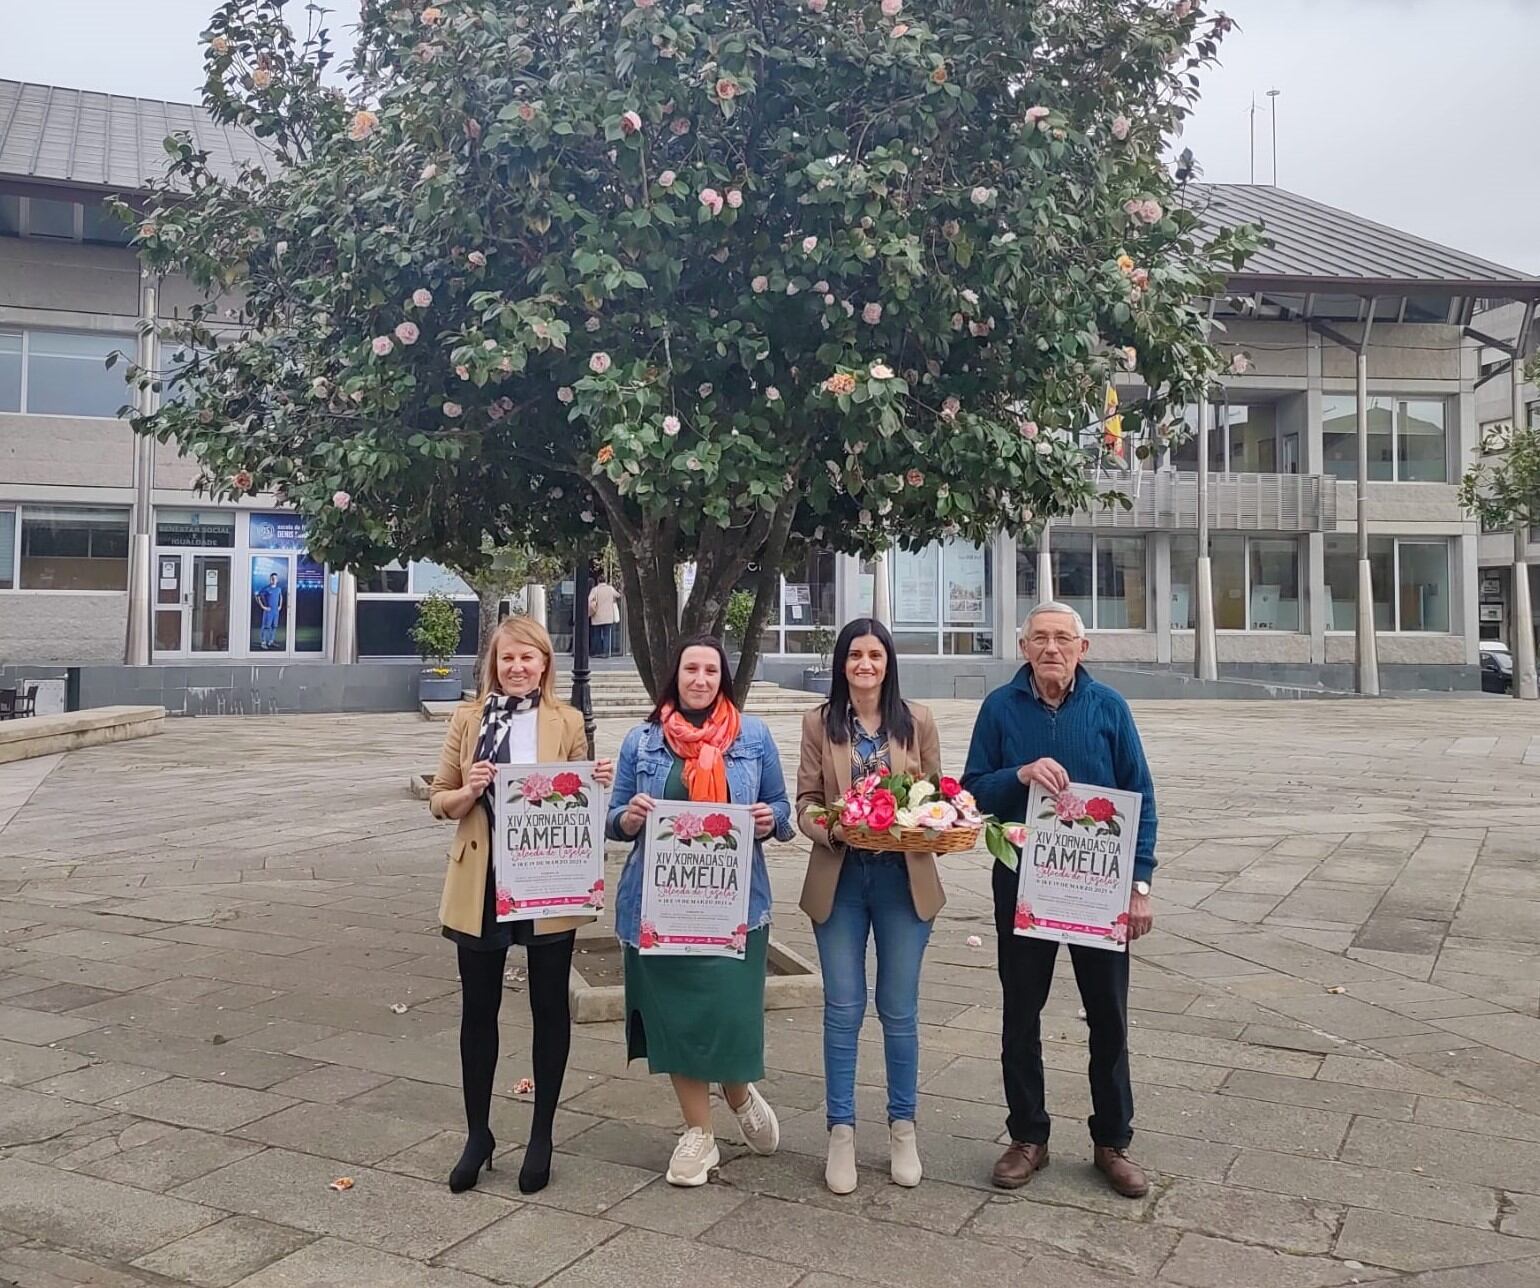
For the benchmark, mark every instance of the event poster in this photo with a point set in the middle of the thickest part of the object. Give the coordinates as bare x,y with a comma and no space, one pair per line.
1077,867
548,847
695,883
965,584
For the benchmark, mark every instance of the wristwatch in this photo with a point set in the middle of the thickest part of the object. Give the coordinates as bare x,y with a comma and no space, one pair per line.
1142,887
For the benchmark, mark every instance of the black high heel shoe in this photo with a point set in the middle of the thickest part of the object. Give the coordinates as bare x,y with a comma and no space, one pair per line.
535,1175
478,1154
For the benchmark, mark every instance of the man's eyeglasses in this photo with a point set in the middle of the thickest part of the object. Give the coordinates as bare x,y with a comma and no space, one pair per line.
1043,641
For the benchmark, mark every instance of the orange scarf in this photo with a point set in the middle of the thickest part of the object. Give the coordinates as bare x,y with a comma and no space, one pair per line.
703,750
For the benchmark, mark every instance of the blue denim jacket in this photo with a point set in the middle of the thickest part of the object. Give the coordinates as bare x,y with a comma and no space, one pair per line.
753,774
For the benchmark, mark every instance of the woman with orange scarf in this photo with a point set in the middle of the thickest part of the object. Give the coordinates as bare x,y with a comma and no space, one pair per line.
701,1020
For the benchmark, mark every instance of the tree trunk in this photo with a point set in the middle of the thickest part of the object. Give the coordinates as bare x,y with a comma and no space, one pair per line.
489,601
652,618
766,594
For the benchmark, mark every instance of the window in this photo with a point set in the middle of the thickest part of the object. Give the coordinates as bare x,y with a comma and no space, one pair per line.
49,218
7,549
101,225
389,580
807,602
10,371
67,374
1411,583
943,599
1407,438
1104,579
431,578
10,215
68,548
1256,582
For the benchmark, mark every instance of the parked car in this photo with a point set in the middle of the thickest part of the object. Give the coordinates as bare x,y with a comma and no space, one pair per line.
1496,667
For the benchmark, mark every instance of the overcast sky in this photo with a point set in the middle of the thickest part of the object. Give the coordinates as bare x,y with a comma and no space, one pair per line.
1416,113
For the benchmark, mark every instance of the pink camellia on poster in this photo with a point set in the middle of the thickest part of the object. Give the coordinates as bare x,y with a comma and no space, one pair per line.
698,860
548,845
1077,865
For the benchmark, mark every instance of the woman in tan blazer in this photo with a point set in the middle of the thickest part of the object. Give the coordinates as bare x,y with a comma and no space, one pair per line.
851,894
517,719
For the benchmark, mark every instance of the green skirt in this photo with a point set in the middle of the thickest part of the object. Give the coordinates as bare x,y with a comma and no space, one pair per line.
699,1017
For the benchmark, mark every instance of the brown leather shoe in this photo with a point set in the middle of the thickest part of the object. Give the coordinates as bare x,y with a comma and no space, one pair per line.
1122,1173
1017,1164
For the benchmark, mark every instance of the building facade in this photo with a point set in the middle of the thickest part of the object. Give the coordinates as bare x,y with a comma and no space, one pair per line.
234,583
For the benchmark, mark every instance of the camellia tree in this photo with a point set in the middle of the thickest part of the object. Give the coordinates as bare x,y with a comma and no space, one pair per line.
720,282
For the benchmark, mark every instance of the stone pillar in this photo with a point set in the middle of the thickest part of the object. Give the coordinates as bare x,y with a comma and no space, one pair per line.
882,595
534,599
345,619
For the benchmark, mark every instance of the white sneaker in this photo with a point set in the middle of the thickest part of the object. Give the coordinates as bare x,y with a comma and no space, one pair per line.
757,1121
839,1173
694,1157
906,1155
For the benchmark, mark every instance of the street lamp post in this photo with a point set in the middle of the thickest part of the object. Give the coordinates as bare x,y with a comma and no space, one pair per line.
1273,94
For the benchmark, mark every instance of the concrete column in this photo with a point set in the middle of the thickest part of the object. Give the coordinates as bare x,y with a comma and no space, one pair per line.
1007,616
1368,645
882,594
1205,643
534,597
1045,586
847,588
345,619
1524,680
1160,556
141,549
1315,582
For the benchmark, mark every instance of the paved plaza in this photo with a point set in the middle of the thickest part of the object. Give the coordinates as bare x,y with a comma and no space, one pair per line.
207,940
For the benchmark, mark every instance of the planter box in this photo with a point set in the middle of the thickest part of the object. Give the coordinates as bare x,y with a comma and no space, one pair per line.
435,688
816,681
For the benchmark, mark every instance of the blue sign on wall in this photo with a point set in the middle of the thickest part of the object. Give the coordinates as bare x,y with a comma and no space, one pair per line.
276,532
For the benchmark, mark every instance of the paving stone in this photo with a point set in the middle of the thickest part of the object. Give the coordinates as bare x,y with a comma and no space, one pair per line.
330,1084
668,1209
327,1263
395,1213
529,1245
1455,1155
179,1156
1521,1215
61,997
1318,1095
1236,1121
218,1255
27,1116
1504,1274
34,1265
337,1131
189,1058
93,1083
1462,1115
1252,1216
1405,1243
191,1103
75,1211
21,1064
1201,1261
1109,1244
39,1028
643,1259
1407,1193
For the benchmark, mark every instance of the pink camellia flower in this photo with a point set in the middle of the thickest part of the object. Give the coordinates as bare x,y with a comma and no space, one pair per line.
341,500
452,409
1141,278
382,345
220,44
872,314
363,126
1240,364
950,408
431,15
422,297
680,125
666,179
1029,429
817,6
1150,210
892,8
476,259
864,518
1023,913
734,198
900,30
564,394
645,4
630,123
407,332
1131,206
1037,113
261,78
599,363
687,826
979,196
1068,807
1120,127
727,88
429,171
792,288
1016,834
241,480
809,245
1181,8
712,200
978,329
759,284
671,425
593,324
1130,356
881,371
504,901
537,787
526,112
463,372
1118,934
914,478
772,393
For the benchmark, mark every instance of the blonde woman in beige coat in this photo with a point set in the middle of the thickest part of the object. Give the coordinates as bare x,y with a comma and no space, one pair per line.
516,719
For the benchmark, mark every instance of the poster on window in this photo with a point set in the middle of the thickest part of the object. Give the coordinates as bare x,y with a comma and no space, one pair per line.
914,587
548,841
1076,872
964,585
695,880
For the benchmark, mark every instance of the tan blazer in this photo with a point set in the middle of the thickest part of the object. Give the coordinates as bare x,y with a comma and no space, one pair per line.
823,776
560,736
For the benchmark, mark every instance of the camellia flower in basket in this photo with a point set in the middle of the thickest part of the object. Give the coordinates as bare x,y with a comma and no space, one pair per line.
908,813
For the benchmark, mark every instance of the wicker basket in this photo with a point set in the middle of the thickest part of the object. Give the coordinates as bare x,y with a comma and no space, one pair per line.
915,840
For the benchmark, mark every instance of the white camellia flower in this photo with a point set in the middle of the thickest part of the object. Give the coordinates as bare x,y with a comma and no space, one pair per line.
906,818
921,792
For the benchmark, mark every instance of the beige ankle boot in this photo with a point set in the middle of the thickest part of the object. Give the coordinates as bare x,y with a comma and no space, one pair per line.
906,1154
840,1171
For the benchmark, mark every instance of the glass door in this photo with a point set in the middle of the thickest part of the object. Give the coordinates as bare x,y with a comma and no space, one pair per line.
272,582
210,587
170,608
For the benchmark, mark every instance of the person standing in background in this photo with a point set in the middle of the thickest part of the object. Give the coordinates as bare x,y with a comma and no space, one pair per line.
603,617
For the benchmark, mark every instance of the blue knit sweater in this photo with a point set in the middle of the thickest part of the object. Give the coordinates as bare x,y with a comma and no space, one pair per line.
1092,735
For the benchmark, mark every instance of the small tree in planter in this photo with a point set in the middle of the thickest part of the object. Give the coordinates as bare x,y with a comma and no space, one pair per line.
437,636
818,680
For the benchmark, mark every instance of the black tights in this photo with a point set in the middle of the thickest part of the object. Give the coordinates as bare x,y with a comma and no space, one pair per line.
481,983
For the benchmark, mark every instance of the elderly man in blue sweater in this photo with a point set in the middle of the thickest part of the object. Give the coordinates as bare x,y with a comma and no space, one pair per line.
1053,725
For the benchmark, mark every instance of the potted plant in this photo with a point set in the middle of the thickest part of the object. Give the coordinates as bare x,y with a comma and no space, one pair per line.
818,679
437,637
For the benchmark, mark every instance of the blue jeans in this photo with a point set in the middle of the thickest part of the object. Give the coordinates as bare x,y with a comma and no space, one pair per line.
872,897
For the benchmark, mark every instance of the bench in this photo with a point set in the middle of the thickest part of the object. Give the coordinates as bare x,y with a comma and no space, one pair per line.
72,730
